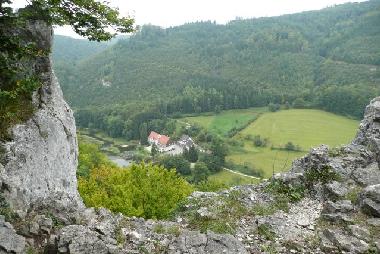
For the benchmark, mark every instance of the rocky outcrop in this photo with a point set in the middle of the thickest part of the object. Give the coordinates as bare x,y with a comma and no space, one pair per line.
38,166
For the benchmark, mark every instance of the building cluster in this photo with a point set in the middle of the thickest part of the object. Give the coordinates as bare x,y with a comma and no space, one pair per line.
165,145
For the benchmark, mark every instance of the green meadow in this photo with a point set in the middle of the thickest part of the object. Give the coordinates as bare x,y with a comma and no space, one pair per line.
305,128
226,120
231,179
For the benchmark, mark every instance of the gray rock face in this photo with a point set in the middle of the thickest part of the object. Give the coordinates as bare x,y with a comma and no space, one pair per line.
369,131
39,164
370,200
345,242
10,242
194,242
367,176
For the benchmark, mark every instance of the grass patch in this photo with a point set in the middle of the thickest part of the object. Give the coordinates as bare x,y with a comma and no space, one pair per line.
6,210
305,127
353,194
280,203
225,121
225,213
230,179
265,231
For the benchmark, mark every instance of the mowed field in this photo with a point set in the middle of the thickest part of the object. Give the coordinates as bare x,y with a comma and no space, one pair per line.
305,128
226,120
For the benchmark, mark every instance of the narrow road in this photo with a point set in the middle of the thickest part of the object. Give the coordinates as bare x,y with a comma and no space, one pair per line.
238,173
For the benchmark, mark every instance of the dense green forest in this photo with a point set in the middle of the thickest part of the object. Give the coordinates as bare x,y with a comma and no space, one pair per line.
327,59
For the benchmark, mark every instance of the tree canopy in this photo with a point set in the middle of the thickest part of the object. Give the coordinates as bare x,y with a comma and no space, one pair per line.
89,18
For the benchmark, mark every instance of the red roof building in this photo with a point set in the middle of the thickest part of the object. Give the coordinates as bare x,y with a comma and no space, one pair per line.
158,139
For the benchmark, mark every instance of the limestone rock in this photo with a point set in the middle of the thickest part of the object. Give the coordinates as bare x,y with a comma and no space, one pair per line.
369,175
370,200
193,242
369,130
360,232
10,241
345,242
336,189
39,163
79,239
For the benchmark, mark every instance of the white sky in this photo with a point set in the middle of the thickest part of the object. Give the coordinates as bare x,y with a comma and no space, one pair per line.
168,13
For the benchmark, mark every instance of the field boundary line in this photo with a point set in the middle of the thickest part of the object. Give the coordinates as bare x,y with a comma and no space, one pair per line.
239,173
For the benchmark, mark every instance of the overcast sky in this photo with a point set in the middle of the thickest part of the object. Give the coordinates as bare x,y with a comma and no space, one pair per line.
168,13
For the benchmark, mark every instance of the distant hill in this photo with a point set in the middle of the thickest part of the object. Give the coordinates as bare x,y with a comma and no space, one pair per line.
327,59
68,49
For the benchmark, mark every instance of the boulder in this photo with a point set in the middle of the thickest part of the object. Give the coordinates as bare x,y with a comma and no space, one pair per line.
369,175
195,242
10,241
79,239
347,243
360,232
369,129
370,200
336,189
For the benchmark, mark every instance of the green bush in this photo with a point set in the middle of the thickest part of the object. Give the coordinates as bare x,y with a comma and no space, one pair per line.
141,190
325,174
280,189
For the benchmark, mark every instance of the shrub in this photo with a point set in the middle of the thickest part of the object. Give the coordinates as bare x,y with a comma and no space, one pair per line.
177,162
200,172
273,107
260,142
325,174
282,190
141,190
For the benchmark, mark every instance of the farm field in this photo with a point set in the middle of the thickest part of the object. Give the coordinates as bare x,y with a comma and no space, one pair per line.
305,128
231,179
223,122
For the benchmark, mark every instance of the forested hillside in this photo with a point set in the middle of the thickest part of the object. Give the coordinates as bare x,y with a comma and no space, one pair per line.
328,59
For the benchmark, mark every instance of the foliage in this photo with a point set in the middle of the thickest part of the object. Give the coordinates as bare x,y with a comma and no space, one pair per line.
273,107
177,162
323,174
141,190
154,150
280,189
90,157
191,154
6,210
213,163
200,173
260,142
292,147
91,19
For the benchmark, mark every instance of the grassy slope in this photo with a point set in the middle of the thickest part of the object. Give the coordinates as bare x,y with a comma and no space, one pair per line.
223,122
306,128
231,179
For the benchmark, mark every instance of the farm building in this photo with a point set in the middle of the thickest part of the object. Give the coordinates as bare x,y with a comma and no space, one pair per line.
161,141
